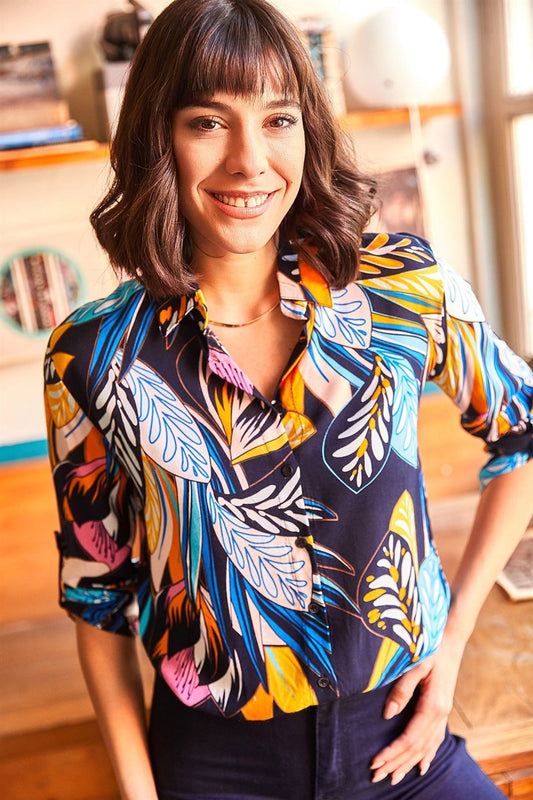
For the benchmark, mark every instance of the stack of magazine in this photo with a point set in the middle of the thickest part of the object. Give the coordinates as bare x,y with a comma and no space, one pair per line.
517,576
32,111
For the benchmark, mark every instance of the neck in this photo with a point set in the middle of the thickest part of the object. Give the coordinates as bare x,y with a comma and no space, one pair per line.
244,282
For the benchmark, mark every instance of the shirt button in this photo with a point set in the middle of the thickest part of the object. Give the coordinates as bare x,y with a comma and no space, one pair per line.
323,682
287,470
314,608
300,541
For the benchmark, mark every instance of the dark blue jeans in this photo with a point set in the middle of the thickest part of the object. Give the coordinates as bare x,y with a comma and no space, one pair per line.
318,754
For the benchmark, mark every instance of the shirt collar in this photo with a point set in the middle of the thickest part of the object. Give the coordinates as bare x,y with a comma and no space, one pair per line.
299,284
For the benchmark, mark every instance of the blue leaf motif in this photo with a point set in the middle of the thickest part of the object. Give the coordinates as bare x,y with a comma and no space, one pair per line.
404,439
435,598
110,304
500,466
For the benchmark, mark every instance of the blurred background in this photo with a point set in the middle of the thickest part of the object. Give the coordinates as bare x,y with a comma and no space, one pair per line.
437,96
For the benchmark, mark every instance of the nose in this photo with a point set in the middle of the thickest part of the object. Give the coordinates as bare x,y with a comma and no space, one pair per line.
247,153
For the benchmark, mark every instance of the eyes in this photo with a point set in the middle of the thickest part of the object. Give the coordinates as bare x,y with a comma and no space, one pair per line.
208,123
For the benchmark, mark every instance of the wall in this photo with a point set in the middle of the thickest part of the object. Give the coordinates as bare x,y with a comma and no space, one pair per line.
52,203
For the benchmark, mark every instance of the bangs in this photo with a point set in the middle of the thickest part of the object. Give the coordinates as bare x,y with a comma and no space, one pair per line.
239,57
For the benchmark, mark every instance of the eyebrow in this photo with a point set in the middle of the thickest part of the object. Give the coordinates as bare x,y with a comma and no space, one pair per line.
215,105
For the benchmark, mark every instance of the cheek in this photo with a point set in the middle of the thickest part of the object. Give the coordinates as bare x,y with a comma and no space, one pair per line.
196,168
298,160
297,169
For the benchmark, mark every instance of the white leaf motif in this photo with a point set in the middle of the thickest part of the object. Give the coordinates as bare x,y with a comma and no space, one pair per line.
271,563
169,435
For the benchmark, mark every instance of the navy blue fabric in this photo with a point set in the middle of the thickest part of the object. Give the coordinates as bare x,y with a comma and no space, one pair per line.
321,753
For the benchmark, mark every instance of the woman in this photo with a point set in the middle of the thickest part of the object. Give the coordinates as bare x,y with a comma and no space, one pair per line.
233,441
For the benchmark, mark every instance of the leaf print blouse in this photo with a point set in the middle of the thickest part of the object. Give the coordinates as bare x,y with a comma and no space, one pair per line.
271,554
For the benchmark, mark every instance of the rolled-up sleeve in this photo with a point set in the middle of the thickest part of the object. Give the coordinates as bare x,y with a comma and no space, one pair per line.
97,519
490,384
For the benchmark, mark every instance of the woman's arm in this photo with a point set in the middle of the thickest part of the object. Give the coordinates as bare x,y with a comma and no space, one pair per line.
111,669
504,510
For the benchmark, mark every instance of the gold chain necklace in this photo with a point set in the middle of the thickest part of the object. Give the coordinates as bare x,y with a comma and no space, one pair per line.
244,324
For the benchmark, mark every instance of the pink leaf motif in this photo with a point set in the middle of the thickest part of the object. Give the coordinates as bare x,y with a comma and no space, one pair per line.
181,674
99,544
224,366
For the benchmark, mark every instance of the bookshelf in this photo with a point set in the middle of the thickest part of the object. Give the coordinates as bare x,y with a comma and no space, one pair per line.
388,117
82,151
52,154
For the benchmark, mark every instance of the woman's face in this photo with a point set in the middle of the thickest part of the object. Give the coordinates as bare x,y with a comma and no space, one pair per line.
240,163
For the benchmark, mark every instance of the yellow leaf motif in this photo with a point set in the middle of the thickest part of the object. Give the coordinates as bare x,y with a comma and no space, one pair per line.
287,682
259,707
390,600
402,522
63,407
299,428
152,513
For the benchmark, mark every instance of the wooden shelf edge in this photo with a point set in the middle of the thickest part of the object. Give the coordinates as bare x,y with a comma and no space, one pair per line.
88,149
387,117
52,154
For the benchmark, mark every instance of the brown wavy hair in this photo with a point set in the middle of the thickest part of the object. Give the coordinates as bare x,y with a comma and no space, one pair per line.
194,49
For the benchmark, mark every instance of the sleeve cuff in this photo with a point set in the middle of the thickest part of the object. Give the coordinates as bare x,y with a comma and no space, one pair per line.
111,610
500,465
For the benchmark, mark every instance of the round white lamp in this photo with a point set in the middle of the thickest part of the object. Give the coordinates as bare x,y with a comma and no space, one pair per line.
397,57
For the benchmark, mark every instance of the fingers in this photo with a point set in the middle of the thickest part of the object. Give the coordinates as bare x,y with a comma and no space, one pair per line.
406,752
417,745
403,690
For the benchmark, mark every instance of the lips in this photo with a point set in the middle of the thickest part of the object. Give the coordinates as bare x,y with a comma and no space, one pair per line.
241,201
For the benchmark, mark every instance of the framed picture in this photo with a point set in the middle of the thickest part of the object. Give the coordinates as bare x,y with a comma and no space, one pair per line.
400,202
38,289
41,284
324,51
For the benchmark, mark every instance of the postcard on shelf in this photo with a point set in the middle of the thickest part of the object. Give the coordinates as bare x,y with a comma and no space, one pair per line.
29,93
516,577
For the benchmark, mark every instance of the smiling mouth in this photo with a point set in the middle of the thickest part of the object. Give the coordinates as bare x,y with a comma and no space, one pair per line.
242,202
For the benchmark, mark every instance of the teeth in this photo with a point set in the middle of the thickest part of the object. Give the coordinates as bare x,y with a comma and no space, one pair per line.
240,202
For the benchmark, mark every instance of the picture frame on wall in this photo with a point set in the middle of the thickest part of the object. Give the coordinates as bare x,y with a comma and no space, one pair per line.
41,284
400,202
320,41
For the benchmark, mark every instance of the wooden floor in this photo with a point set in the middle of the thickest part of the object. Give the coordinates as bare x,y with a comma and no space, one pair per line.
50,748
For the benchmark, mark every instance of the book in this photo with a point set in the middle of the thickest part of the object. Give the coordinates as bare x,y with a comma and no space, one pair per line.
31,137
29,92
516,578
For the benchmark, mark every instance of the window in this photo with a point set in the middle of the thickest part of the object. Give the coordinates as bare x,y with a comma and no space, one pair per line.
507,52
